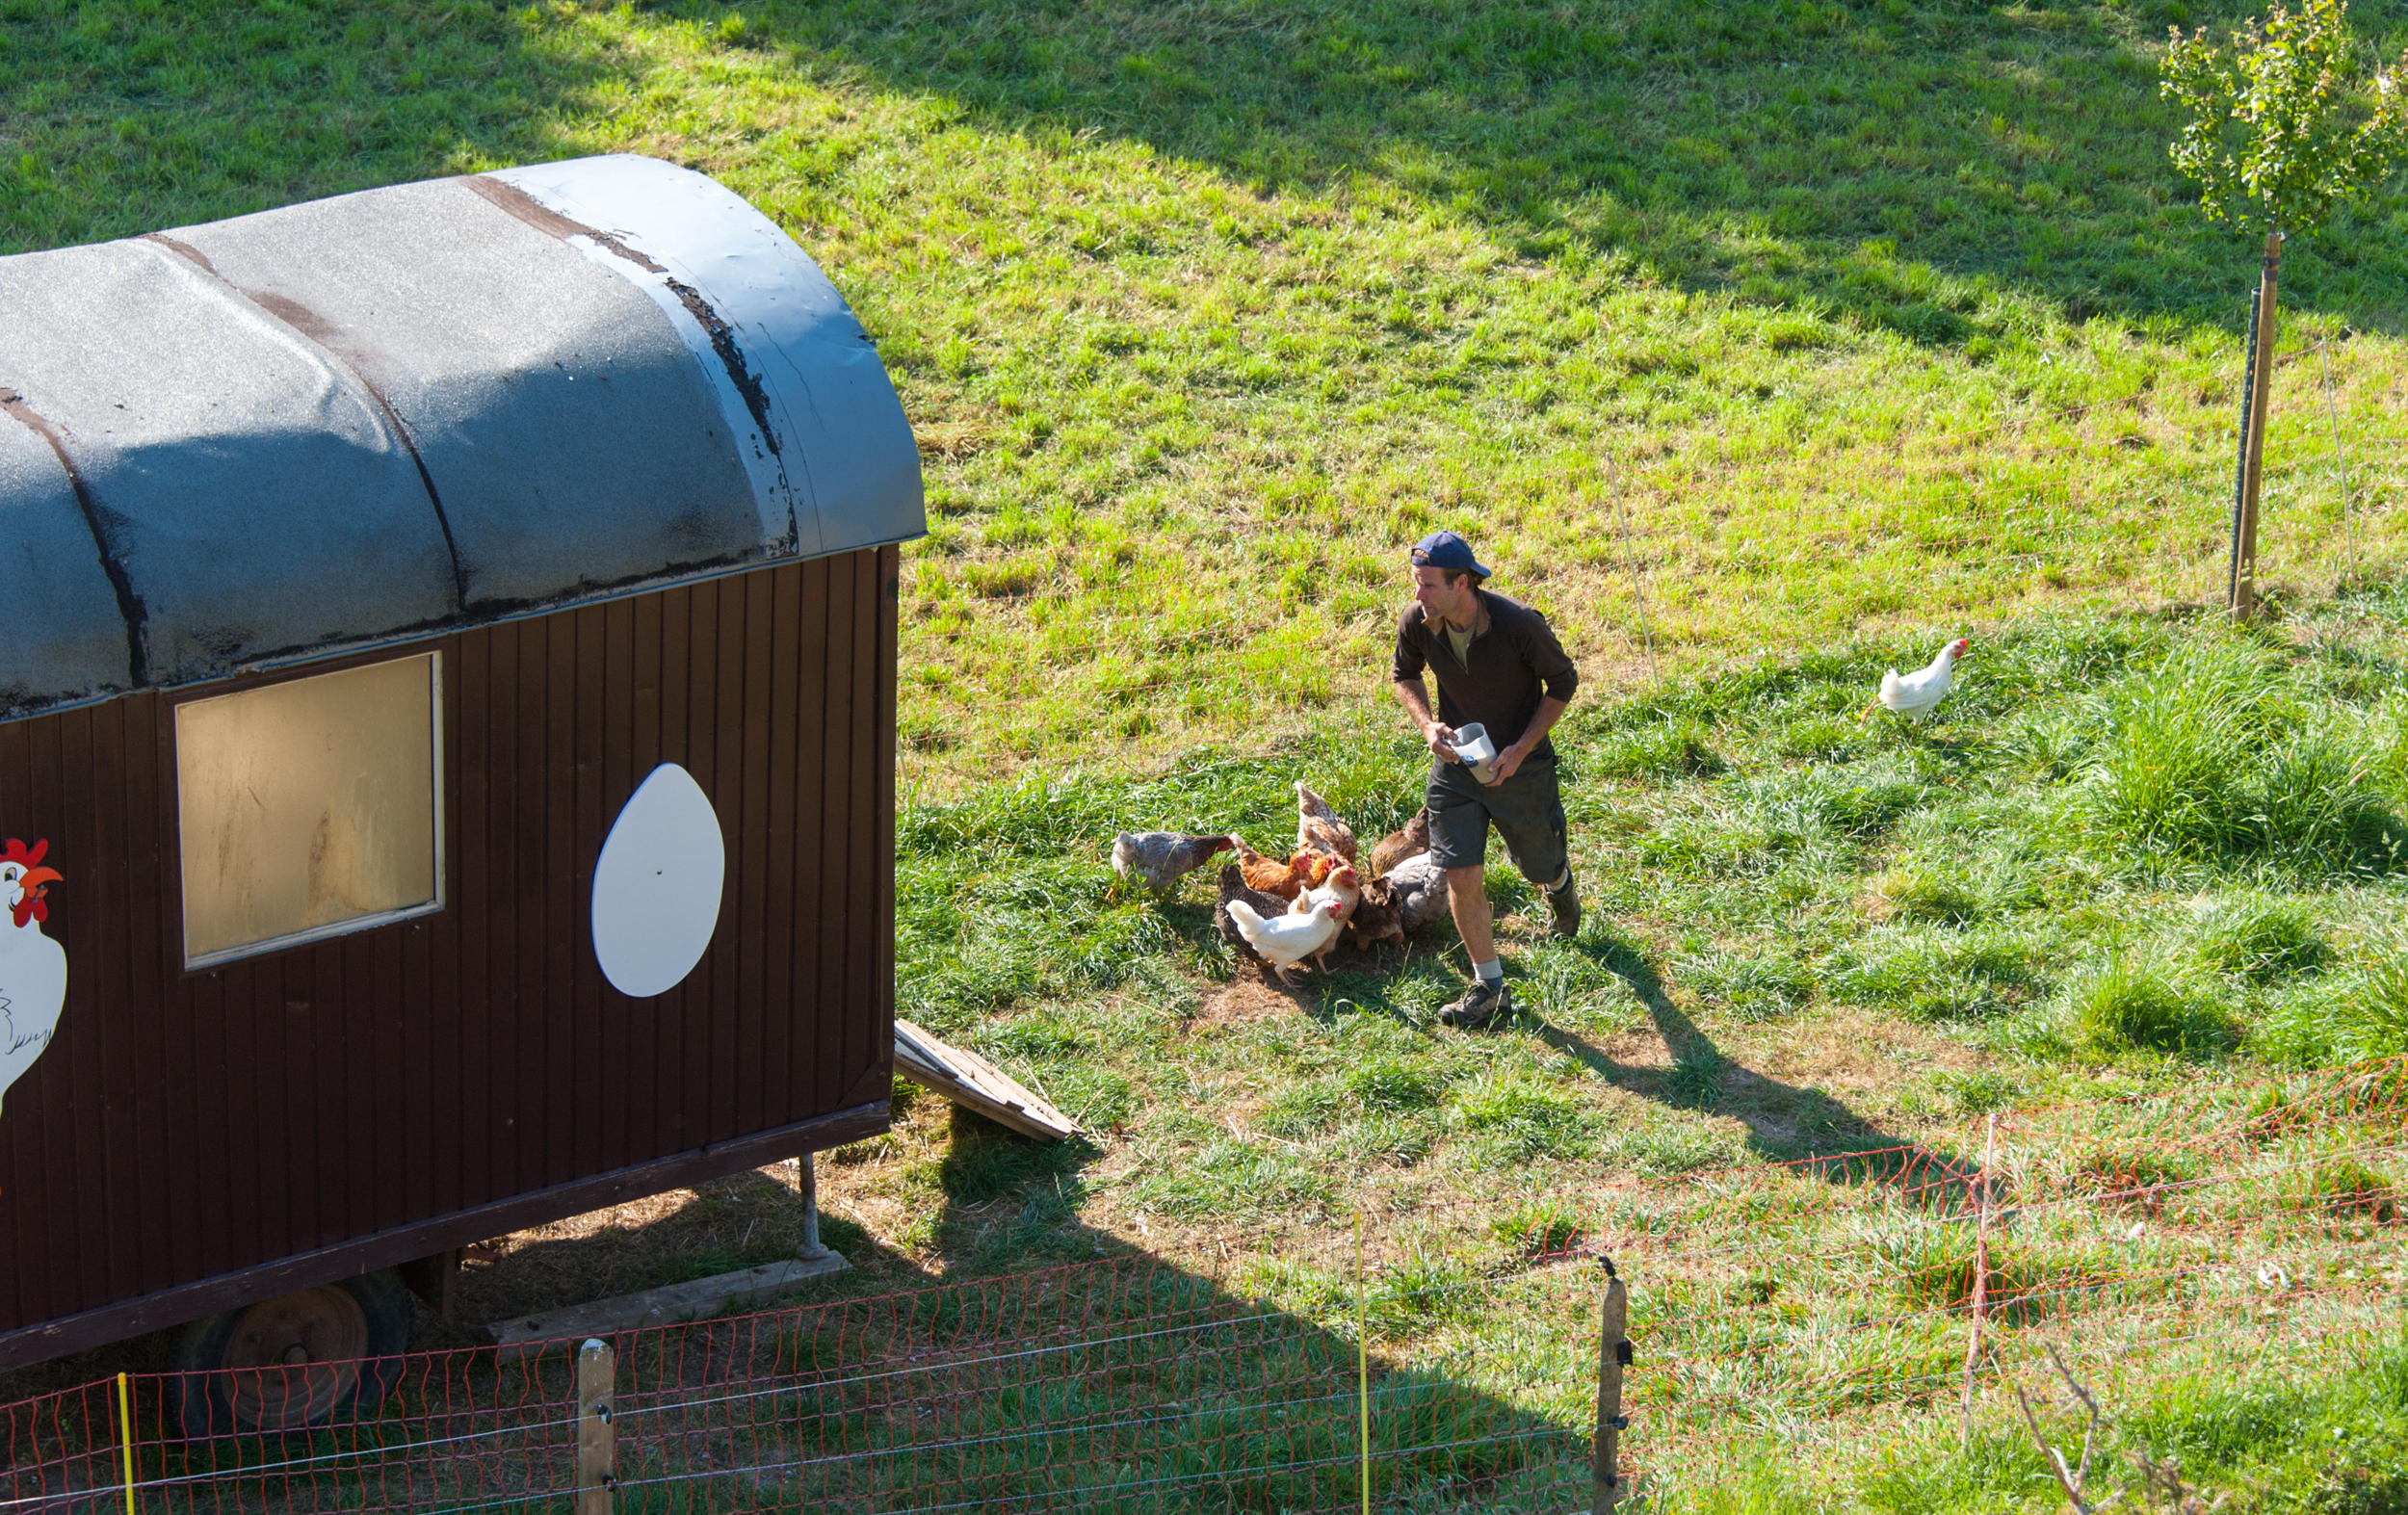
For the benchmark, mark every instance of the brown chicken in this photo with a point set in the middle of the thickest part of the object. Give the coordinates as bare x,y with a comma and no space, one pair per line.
1281,876
1396,904
1233,887
1317,826
1409,840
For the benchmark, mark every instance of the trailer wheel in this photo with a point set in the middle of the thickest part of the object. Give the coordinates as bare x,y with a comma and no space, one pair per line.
321,1356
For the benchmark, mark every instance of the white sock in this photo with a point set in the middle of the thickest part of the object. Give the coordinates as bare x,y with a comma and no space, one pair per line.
1490,971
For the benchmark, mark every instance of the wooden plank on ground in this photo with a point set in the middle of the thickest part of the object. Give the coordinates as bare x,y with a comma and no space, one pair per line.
531,1335
974,1083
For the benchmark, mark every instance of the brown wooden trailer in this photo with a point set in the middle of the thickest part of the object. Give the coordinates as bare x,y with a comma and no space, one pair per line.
341,690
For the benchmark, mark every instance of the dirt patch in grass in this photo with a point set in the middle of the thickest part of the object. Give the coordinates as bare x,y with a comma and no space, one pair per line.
1246,997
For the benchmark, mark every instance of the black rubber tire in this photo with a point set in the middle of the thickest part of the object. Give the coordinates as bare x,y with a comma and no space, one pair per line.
206,1398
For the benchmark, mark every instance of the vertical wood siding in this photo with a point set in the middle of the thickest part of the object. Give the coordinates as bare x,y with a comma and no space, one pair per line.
184,1126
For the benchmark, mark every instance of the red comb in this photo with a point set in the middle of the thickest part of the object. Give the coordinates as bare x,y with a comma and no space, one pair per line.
15,853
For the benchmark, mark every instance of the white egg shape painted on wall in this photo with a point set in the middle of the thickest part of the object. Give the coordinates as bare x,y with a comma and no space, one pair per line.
657,885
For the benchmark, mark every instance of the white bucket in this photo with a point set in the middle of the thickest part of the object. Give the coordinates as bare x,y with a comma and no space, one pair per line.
1473,749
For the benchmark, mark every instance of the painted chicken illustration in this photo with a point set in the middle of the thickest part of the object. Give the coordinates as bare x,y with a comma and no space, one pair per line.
33,968
1916,694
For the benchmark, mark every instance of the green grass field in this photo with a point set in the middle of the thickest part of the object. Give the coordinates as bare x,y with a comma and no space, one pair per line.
1774,320
1761,344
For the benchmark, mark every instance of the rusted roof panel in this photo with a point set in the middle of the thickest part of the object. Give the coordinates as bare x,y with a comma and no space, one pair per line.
321,427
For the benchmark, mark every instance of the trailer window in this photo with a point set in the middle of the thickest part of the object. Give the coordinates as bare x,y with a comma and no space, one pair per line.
309,807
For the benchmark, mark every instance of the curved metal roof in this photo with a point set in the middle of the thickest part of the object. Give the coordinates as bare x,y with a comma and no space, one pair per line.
382,415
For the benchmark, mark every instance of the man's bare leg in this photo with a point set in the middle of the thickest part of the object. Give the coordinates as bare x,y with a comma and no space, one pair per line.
1467,896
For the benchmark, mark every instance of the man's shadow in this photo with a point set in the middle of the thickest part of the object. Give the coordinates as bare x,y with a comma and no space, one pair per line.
1807,1130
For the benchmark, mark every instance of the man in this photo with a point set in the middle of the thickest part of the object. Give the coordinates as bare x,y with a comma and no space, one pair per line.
1498,664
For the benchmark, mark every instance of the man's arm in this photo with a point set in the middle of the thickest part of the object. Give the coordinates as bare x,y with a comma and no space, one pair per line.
1547,660
1414,696
1404,675
1550,711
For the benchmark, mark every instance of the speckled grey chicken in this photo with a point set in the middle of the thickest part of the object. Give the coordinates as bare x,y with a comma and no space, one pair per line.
1159,859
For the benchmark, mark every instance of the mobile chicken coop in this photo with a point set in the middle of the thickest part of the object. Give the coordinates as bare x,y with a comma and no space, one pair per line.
447,701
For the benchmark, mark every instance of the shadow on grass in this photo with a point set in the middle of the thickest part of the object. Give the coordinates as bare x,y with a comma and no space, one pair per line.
1807,1128
1903,166
1927,169
1101,1377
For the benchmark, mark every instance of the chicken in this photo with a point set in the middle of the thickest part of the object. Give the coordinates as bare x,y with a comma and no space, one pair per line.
1285,940
1317,827
1273,875
1374,919
1409,840
1159,859
1234,891
33,968
1344,886
1401,901
1916,694
1314,868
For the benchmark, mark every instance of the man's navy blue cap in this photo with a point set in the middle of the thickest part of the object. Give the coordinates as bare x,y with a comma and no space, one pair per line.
1445,550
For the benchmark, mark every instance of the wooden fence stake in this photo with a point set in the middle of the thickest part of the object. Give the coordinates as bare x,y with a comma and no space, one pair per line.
598,1374
1982,1277
1613,1354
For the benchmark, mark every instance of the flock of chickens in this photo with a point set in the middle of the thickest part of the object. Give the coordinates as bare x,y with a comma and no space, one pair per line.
1288,913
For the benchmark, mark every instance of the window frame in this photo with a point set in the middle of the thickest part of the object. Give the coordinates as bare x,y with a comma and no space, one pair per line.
435,753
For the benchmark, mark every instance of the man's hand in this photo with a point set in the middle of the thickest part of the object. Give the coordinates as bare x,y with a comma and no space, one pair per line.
1509,760
1441,737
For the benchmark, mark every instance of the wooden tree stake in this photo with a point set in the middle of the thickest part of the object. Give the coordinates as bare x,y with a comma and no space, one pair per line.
2244,590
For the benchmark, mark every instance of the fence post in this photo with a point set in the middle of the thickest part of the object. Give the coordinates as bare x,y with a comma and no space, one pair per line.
1363,1359
125,1438
598,1374
1982,1277
1613,1354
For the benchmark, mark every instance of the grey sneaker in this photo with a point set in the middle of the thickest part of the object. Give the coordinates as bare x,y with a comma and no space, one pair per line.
1481,1004
1565,905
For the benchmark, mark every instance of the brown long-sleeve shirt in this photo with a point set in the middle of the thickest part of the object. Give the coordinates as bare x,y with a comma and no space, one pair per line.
1513,664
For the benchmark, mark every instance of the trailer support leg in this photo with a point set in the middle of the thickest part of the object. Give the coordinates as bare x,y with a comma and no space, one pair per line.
812,1248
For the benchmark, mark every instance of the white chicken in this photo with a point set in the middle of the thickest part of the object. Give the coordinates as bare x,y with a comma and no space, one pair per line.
1284,940
33,968
1343,887
1915,694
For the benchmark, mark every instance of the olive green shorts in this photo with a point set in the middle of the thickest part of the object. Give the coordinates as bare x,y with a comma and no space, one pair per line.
1526,809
